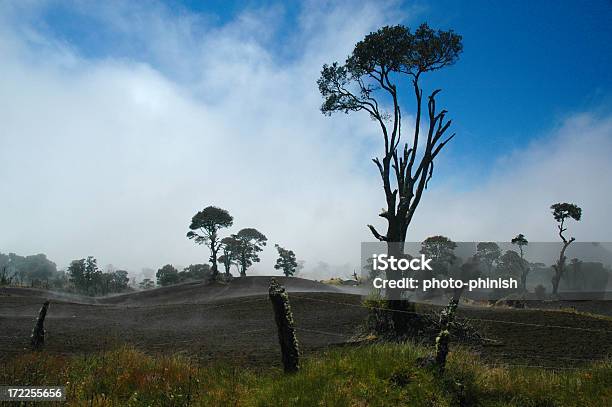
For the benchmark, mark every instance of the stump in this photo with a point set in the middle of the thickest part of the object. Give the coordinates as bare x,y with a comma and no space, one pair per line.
38,333
285,324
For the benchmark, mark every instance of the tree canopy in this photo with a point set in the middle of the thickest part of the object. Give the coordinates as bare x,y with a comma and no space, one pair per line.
286,261
27,268
520,241
510,264
167,275
488,253
204,229
87,278
231,251
563,211
439,248
248,243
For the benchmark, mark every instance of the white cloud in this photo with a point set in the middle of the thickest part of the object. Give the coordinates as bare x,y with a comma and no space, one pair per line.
570,164
111,157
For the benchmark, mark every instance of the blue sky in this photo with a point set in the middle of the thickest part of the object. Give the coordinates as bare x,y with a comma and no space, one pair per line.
525,64
132,116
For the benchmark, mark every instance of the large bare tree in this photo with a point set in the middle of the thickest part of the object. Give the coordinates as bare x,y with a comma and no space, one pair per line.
370,80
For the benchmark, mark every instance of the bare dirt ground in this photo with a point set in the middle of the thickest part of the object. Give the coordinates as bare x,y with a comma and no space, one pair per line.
234,323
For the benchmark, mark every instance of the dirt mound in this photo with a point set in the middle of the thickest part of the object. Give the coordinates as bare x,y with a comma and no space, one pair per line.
203,292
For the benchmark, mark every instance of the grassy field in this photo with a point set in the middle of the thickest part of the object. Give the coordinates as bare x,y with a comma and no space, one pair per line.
366,375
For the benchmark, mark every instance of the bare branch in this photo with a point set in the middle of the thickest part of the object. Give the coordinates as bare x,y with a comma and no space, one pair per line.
441,146
376,234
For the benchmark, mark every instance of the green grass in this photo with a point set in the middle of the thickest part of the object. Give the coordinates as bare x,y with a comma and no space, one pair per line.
369,375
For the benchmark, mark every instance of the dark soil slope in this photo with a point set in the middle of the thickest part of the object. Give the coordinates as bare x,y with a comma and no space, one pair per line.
202,292
234,323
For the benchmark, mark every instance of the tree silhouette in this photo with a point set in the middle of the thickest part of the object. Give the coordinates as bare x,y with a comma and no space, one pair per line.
368,81
521,241
208,222
442,252
286,261
76,273
195,272
249,243
488,253
231,250
369,78
510,264
167,275
561,212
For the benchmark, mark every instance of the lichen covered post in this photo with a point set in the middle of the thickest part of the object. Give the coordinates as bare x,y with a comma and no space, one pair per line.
285,324
38,333
443,338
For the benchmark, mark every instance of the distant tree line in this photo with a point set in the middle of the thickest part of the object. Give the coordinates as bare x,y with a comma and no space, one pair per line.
28,270
168,275
240,250
490,261
88,279
83,276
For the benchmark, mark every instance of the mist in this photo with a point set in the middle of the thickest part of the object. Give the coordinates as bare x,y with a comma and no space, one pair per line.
112,156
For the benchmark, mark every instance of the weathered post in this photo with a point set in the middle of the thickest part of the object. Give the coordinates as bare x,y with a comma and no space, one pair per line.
443,338
286,330
38,333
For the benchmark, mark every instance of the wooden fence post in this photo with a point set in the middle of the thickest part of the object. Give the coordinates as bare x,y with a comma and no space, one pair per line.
443,339
38,333
285,324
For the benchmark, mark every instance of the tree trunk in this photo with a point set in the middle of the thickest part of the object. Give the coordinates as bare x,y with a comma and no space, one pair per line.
403,312
285,324
560,268
213,259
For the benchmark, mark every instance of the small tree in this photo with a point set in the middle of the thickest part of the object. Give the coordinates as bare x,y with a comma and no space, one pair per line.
442,252
231,251
195,272
510,264
249,243
286,261
488,253
92,275
76,274
167,275
521,241
120,280
469,270
561,212
205,226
